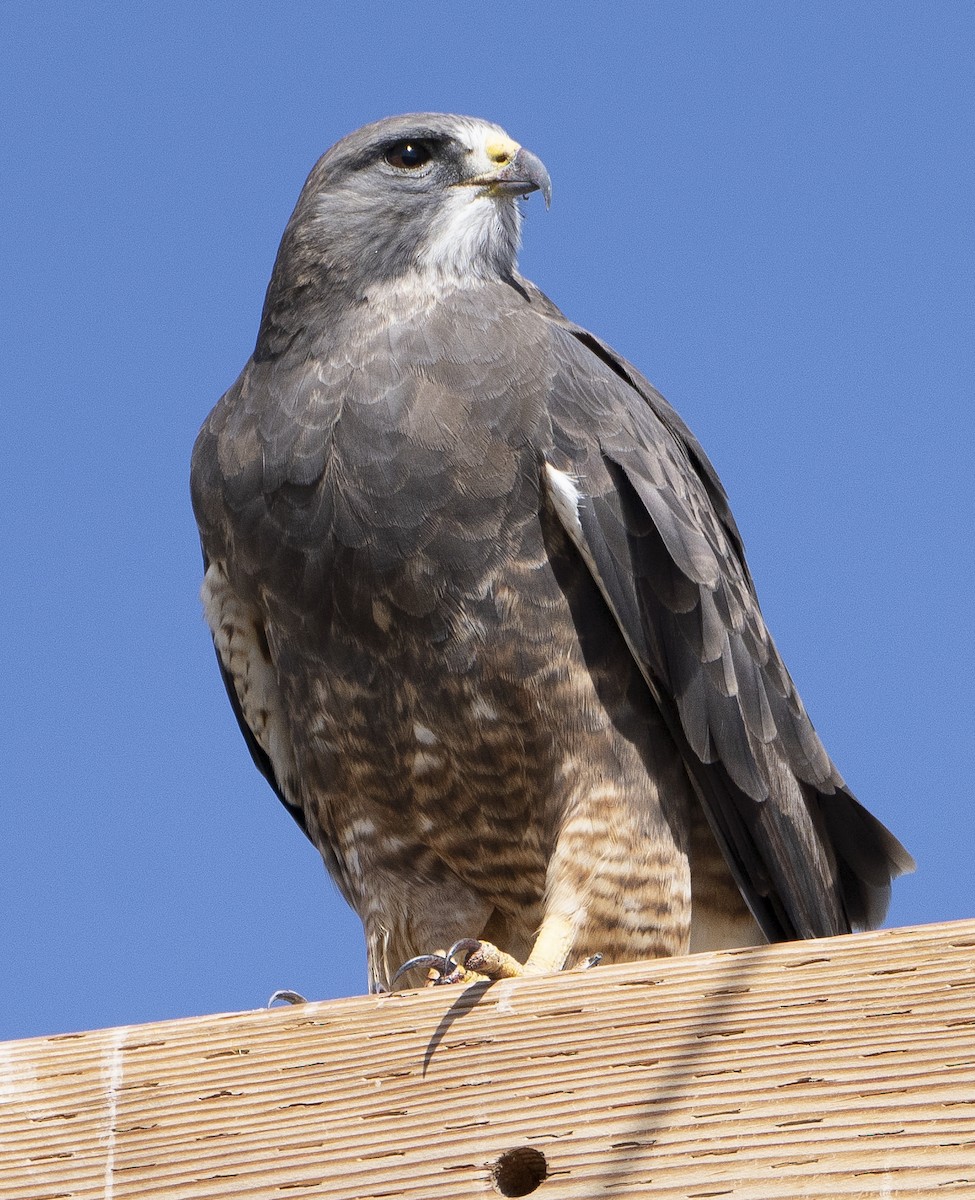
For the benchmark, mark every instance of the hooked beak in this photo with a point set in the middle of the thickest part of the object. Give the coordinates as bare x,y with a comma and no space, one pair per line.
523,174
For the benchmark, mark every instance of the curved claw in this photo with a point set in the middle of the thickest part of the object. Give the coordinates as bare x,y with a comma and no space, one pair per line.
286,996
466,947
435,962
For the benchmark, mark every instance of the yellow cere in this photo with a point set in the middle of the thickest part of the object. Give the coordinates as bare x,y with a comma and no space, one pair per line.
501,151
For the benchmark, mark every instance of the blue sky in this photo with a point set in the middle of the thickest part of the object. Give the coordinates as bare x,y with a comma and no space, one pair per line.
767,207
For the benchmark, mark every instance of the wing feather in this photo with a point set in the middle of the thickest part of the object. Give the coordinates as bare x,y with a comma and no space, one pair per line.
653,525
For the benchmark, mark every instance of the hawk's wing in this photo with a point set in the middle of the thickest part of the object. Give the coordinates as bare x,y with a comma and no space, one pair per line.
244,454
651,521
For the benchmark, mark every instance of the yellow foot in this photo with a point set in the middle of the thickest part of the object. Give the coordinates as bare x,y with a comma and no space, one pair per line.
467,961
485,959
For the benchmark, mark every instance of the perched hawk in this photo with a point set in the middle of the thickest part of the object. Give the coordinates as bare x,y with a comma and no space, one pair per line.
481,606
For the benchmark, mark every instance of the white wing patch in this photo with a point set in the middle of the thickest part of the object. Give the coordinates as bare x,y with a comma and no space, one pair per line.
566,497
239,638
567,500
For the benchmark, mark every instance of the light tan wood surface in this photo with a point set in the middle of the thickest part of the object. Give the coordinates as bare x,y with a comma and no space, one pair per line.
835,1068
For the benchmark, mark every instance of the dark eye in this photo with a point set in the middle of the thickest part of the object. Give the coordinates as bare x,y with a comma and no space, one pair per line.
408,155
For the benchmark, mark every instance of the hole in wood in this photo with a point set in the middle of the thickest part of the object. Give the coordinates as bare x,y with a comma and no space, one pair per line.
519,1172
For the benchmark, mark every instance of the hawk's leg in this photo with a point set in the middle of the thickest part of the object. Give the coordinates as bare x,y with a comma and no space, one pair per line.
617,885
471,960
467,961
419,914
486,960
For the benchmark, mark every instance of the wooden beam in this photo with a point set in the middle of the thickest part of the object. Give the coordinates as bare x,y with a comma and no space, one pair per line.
838,1068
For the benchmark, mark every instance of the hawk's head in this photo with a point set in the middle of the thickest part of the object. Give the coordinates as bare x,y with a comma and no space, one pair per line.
427,193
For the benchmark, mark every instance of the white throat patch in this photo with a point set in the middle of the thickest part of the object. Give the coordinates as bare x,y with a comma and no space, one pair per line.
475,235
472,238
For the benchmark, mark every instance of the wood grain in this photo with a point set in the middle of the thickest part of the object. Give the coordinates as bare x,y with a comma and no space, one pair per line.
837,1068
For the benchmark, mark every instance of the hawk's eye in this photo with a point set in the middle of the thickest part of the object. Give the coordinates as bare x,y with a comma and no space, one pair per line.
408,155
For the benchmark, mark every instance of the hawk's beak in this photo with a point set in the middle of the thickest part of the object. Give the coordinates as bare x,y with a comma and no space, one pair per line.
520,174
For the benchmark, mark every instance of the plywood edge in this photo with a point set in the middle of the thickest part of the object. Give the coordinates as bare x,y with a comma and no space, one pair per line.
837,1067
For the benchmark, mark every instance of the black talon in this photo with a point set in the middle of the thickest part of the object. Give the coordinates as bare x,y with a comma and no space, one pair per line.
446,966
286,996
466,947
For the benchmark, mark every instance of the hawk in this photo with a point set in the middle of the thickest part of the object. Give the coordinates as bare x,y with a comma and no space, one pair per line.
482,609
